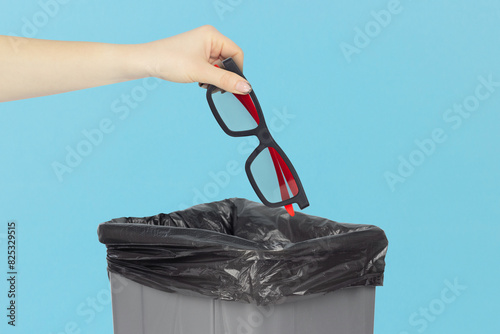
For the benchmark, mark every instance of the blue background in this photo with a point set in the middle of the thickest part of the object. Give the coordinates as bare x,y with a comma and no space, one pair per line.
350,119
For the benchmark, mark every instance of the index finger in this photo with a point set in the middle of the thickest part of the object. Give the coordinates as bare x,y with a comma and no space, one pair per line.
223,47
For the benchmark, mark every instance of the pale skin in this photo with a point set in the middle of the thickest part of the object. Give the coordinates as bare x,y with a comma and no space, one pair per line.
35,67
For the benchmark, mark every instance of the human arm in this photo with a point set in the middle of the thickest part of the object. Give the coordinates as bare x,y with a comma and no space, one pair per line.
35,67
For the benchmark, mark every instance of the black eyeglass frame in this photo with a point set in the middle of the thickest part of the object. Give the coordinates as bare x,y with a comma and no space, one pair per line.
265,140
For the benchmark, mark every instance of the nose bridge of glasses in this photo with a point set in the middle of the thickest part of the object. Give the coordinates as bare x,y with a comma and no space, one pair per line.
264,136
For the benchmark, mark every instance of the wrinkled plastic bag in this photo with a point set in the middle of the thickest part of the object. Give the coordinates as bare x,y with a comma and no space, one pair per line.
239,250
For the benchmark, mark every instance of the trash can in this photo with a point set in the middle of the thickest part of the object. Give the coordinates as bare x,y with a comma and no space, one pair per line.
236,266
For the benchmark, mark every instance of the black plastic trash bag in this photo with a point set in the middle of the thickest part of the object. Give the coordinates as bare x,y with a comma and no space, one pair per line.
243,251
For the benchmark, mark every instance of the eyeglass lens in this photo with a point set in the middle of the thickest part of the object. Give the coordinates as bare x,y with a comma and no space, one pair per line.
236,111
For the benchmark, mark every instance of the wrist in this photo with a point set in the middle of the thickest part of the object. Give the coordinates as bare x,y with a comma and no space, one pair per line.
134,61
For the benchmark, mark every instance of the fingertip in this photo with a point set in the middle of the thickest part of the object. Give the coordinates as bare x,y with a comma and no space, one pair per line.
238,59
225,80
243,87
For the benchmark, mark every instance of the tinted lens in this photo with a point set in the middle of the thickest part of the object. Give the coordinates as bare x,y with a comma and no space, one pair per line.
238,112
273,176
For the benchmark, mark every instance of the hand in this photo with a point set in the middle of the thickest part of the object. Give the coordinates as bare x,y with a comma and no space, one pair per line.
190,57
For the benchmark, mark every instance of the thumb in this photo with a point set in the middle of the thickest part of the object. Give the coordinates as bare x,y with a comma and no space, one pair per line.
226,80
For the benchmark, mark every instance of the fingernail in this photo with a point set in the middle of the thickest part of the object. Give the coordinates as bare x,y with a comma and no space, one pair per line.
243,87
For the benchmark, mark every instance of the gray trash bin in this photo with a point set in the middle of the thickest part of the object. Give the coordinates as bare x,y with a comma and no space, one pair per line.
238,267
138,309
